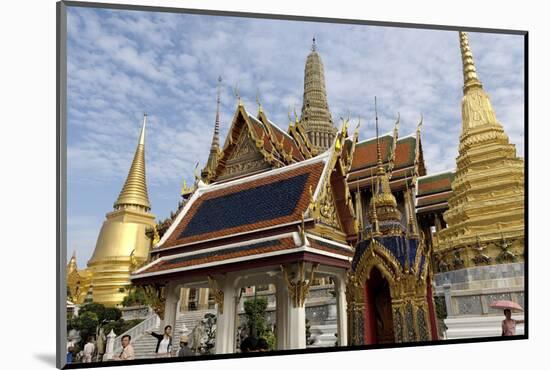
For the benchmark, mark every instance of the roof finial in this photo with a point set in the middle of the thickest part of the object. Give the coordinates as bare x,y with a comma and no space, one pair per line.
260,109
468,66
236,91
394,146
289,117
134,191
417,148
313,46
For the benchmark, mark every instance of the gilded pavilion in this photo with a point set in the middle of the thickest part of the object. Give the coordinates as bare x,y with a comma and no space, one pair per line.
287,207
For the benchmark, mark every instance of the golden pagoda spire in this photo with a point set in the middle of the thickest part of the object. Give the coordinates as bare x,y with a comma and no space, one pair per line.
488,187
468,66
477,109
134,191
72,266
384,204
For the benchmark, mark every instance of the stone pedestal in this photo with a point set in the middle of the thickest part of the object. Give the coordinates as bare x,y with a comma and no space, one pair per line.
469,292
296,327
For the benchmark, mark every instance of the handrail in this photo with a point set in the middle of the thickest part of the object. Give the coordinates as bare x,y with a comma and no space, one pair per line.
135,332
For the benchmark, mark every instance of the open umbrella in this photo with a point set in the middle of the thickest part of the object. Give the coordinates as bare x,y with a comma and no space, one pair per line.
503,305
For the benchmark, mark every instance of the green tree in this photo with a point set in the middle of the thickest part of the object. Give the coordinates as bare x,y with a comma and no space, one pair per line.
136,297
91,316
256,320
86,323
254,310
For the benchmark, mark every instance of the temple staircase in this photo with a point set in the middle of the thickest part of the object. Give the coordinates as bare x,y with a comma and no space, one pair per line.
145,345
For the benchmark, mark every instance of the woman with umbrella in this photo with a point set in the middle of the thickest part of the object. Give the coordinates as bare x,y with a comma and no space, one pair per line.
508,324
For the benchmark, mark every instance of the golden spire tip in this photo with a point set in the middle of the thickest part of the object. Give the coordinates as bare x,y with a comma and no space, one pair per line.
468,66
142,134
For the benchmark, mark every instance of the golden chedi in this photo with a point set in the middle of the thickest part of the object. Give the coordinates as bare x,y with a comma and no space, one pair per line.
485,219
122,244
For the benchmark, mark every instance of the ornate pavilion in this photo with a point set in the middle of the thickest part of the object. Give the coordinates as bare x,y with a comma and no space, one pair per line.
288,208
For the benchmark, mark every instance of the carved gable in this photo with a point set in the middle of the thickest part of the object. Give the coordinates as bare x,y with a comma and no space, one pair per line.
245,158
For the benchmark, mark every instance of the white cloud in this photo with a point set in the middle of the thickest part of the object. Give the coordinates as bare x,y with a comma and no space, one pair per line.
123,63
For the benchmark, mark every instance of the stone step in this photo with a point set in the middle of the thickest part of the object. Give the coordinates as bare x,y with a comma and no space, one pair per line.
145,345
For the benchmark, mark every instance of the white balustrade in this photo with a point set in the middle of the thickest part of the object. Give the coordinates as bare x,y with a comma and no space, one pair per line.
109,347
150,323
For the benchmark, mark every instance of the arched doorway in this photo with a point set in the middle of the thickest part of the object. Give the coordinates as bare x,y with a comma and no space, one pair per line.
378,311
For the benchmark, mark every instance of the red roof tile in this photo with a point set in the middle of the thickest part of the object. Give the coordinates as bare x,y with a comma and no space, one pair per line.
365,152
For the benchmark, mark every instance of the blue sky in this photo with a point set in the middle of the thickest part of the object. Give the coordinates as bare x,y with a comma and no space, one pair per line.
124,63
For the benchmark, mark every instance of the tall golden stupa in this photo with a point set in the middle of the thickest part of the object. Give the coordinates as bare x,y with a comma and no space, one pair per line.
485,219
122,244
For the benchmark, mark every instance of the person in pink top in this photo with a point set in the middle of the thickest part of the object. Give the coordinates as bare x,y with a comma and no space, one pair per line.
509,324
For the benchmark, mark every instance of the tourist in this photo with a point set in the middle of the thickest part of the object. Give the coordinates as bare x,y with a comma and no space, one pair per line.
185,351
127,352
509,324
70,354
89,349
100,344
262,346
164,342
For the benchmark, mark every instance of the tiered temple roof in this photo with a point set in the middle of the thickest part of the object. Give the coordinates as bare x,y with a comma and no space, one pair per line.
254,144
266,218
433,191
408,151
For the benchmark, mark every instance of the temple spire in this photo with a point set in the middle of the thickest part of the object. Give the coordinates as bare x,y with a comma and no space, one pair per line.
134,191
72,266
468,66
215,146
374,216
383,202
316,118
378,151
409,207
216,137
477,109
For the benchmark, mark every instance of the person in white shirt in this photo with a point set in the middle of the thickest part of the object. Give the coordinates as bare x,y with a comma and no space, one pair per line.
89,349
127,352
164,344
